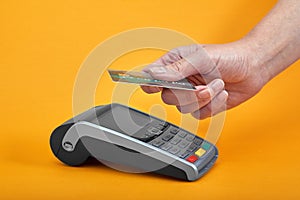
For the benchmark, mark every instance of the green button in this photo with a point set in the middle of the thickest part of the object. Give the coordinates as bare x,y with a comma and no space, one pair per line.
205,145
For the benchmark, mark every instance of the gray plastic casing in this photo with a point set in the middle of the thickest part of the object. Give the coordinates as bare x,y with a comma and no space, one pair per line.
112,147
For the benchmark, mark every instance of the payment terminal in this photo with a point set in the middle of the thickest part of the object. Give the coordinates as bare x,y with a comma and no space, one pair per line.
124,136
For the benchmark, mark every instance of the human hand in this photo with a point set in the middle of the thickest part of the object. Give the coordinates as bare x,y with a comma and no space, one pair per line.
224,75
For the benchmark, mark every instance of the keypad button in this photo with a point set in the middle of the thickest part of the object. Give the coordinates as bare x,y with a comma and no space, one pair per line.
192,147
150,134
197,141
159,127
183,144
190,137
182,134
205,146
200,152
167,137
192,158
174,130
153,130
175,140
166,146
163,124
157,143
174,150
183,155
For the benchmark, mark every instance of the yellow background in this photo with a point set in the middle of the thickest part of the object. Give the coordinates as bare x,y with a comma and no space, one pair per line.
42,45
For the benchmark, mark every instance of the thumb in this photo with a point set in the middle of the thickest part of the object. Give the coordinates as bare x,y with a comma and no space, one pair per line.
196,63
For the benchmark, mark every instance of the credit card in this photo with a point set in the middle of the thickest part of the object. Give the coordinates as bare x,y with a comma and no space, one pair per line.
143,78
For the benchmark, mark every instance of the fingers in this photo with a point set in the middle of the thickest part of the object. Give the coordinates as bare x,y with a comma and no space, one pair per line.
197,62
173,55
151,89
189,101
207,101
173,72
194,63
217,105
196,80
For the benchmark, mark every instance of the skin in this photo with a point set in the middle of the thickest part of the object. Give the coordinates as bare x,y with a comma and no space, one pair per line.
227,75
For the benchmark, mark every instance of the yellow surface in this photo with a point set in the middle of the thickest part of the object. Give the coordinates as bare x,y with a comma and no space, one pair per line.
200,152
42,45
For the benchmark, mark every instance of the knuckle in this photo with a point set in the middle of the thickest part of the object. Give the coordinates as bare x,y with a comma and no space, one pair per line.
180,109
146,89
204,101
167,98
206,112
183,109
196,114
205,95
190,96
176,66
184,97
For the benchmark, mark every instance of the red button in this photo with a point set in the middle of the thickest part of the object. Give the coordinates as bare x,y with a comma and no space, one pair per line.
192,158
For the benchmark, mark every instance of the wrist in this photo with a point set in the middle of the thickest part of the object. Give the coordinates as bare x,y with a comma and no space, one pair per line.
261,57
272,56
275,40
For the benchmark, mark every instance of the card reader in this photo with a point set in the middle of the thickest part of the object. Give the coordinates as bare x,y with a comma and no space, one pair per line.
127,137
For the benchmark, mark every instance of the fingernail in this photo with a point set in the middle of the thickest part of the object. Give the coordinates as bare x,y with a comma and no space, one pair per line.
222,96
158,70
218,85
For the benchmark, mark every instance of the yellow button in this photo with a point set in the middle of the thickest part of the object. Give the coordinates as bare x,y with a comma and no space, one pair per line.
200,152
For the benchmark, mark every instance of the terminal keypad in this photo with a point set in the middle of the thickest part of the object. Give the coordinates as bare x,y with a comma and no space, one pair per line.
179,142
